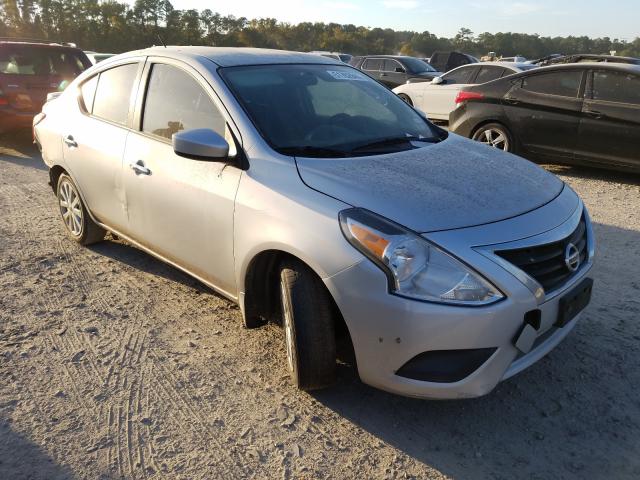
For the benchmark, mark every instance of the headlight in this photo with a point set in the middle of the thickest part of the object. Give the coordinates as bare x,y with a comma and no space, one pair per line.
415,267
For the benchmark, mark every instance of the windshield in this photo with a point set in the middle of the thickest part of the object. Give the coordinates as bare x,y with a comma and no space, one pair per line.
415,65
326,111
44,61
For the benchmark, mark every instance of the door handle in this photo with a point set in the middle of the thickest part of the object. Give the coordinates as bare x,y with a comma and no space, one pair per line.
383,74
512,101
594,114
139,168
70,141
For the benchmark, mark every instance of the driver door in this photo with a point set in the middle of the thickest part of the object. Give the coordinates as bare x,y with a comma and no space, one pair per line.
180,208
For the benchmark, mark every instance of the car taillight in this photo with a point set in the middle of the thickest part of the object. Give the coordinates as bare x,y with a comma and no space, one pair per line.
466,96
3,100
36,120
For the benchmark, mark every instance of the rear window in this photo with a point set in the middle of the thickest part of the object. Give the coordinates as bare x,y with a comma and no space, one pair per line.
372,64
563,84
459,75
41,61
616,87
489,74
113,95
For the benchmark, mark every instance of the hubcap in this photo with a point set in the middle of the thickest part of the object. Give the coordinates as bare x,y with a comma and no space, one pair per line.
288,325
494,138
70,208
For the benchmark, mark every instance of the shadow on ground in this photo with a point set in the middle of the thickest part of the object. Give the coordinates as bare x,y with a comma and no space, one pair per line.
20,458
19,149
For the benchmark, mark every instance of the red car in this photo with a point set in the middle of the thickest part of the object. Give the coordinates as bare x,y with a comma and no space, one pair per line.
29,70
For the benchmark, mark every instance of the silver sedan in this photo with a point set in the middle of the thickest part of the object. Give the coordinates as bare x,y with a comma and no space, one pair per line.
312,196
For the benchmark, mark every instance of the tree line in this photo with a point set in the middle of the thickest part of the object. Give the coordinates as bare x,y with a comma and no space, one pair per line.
112,26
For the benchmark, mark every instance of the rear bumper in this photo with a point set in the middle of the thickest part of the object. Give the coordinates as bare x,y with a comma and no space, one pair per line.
11,119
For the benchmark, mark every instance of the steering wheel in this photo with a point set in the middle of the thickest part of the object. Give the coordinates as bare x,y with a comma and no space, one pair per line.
335,126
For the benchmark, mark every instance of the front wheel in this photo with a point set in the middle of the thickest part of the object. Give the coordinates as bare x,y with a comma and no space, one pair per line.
307,320
406,98
495,135
75,217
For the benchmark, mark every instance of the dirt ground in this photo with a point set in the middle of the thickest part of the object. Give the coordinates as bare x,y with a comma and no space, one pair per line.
114,365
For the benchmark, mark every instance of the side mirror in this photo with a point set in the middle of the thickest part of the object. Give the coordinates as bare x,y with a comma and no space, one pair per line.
200,144
437,81
399,70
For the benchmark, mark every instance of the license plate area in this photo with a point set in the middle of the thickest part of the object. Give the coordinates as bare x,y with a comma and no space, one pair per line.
572,303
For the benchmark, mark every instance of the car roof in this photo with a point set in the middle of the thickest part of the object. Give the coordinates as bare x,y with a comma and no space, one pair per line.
237,56
516,65
626,67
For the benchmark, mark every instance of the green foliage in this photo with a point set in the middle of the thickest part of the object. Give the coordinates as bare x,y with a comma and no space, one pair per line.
112,26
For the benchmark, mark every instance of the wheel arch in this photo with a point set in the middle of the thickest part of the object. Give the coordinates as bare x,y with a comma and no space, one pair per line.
260,295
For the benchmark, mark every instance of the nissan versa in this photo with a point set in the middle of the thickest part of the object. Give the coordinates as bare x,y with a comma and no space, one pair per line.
308,193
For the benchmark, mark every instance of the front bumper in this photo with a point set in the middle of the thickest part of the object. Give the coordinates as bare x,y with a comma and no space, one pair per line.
388,331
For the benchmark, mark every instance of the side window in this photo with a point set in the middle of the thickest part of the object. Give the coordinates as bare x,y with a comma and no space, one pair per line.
563,83
113,94
616,87
459,75
372,64
88,92
391,65
489,74
175,101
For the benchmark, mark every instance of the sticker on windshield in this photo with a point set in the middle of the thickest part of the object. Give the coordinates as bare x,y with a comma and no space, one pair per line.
345,75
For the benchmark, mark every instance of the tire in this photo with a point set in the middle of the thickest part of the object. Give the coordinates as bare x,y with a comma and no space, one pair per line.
75,217
406,98
308,326
495,135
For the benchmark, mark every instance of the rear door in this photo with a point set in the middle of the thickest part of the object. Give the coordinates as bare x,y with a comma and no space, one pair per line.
544,111
393,73
94,138
610,124
181,208
373,67
439,99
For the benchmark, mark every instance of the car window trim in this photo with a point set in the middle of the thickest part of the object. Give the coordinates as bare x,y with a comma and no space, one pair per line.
132,98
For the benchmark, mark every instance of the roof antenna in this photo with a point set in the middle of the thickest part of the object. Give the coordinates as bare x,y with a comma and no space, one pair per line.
161,41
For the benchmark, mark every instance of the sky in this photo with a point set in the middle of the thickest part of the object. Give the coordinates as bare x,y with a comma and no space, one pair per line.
614,19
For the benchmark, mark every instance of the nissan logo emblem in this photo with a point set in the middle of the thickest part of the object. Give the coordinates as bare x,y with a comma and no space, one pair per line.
572,257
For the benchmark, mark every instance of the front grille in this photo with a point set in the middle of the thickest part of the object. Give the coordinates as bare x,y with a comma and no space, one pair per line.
546,263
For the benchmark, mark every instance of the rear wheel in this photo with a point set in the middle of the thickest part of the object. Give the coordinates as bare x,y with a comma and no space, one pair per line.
495,135
308,326
406,98
75,217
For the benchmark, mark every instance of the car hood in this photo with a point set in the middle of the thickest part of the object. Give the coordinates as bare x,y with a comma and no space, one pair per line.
452,184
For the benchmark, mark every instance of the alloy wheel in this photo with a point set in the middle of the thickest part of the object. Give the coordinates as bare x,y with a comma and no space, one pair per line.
70,208
494,138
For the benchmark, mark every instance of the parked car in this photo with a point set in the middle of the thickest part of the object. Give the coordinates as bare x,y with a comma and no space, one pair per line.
582,113
437,98
445,61
310,194
587,57
29,70
394,70
96,57
343,57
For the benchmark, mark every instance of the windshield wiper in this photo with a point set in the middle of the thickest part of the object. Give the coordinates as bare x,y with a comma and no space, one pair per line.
311,151
387,142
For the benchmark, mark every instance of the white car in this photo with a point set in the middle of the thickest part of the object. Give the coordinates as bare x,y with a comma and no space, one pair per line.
437,98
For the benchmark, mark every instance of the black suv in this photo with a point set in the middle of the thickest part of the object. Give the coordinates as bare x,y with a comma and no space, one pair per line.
29,70
395,70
